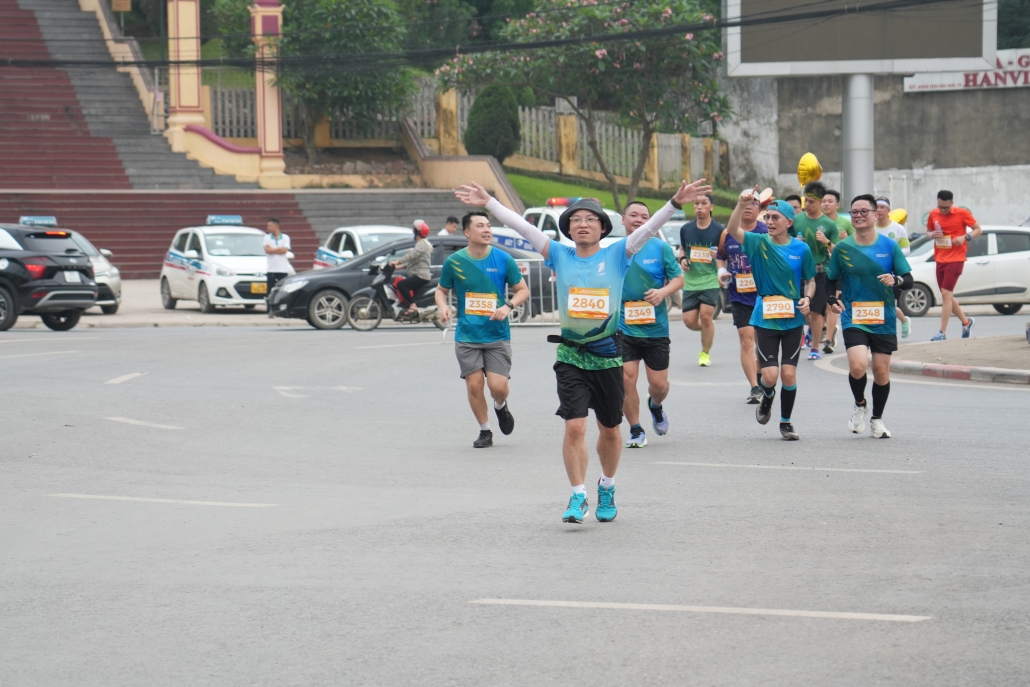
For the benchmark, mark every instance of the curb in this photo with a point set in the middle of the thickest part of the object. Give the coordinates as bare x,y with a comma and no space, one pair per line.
998,375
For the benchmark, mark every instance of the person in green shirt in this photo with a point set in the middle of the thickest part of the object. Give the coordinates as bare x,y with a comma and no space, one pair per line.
699,239
820,233
831,204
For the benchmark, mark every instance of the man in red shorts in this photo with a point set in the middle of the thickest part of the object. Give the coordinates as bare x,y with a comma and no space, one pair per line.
947,225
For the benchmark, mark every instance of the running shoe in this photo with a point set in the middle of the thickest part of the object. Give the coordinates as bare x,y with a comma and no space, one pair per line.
606,509
578,509
755,396
830,343
814,354
637,438
703,359
787,432
878,429
939,336
659,420
505,420
808,336
485,440
764,410
906,328
857,422
968,327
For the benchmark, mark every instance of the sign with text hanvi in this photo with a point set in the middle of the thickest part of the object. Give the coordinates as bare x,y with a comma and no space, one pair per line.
1011,70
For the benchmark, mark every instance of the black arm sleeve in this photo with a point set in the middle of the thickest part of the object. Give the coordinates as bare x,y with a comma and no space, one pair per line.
831,291
906,281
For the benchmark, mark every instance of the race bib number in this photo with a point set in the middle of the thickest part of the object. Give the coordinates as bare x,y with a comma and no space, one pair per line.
777,308
700,254
867,312
639,312
942,242
480,304
746,283
588,304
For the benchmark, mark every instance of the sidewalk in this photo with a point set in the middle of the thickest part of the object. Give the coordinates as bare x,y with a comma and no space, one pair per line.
989,359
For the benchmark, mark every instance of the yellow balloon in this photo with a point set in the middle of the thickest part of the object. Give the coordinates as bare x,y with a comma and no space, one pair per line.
809,169
899,215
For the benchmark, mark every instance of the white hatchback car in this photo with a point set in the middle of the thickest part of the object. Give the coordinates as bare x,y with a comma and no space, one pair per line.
997,272
346,243
546,220
220,263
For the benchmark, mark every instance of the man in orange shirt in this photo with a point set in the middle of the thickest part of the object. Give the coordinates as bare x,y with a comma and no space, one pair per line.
947,225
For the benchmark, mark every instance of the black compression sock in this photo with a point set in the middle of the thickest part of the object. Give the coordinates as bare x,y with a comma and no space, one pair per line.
787,396
880,394
858,389
766,390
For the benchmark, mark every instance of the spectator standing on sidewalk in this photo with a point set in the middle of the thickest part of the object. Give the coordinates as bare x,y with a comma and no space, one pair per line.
450,227
947,226
277,245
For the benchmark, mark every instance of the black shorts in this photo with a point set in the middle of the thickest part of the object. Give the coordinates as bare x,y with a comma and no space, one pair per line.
579,390
771,341
742,315
653,351
818,304
877,343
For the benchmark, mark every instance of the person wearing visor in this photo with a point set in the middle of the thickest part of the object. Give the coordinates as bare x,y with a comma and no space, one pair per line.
417,261
865,269
784,274
885,226
820,233
589,366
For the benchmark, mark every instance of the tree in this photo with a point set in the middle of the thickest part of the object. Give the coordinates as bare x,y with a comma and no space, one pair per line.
665,82
313,28
437,22
1013,24
493,123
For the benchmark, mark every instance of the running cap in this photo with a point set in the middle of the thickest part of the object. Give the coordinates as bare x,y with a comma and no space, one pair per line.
782,207
883,200
585,204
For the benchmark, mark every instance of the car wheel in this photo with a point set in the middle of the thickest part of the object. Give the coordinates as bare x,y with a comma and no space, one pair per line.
1008,308
364,314
62,321
327,309
166,296
204,300
8,310
917,301
109,309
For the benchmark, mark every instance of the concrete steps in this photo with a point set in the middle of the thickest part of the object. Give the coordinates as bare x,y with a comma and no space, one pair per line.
401,207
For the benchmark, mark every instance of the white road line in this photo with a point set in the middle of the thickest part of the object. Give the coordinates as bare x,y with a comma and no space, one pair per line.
424,343
707,609
785,467
30,355
47,339
288,391
827,364
141,423
146,500
125,378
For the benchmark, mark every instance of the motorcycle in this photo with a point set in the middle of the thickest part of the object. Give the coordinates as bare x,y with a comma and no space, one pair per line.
370,305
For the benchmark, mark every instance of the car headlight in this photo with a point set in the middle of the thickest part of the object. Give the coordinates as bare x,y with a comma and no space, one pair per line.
222,272
103,273
114,272
291,286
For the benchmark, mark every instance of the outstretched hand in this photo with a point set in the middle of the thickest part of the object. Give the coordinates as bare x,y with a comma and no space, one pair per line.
688,193
473,194
747,195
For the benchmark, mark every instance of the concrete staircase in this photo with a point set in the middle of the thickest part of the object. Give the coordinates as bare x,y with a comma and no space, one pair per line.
327,210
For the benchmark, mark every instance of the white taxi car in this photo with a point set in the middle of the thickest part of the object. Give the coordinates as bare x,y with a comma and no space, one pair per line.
546,220
346,243
219,263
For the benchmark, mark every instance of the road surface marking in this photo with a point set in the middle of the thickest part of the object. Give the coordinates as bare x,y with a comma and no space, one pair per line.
827,364
288,391
424,343
29,355
784,467
146,500
125,378
47,339
141,423
707,609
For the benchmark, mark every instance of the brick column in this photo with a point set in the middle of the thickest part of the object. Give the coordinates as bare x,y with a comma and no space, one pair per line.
568,143
184,101
266,18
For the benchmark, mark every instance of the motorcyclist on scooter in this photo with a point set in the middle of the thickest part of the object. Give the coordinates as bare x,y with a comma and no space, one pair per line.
416,261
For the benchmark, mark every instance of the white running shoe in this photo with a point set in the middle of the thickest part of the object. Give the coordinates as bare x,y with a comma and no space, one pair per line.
857,422
879,431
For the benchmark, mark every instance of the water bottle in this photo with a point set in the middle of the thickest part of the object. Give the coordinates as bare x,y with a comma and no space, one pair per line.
937,228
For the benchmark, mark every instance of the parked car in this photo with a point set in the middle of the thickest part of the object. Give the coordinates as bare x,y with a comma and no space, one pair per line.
219,263
546,220
347,243
997,273
44,272
321,297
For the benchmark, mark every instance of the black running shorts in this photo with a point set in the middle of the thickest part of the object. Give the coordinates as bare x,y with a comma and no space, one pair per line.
771,341
877,343
742,315
579,390
653,351
818,304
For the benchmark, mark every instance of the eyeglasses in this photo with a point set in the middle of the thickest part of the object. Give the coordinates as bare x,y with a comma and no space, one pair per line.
943,208
584,220
860,213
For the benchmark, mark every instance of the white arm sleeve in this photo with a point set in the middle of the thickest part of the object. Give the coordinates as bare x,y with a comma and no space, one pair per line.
514,220
650,229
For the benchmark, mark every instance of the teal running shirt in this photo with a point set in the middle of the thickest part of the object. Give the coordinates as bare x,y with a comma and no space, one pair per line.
652,268
868,303
480,287
780,272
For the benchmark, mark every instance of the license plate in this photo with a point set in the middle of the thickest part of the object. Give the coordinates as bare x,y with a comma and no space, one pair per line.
259,287
73,277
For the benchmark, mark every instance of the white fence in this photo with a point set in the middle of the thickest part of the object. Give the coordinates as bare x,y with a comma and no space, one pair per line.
539,133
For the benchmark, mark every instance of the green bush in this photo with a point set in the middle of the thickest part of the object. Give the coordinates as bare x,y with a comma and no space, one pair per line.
493,124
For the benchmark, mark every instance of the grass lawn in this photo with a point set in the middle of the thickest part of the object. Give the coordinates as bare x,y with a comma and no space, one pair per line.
232,77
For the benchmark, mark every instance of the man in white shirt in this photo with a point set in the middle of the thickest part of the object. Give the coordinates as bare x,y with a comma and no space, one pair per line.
885,226
450,227
277,245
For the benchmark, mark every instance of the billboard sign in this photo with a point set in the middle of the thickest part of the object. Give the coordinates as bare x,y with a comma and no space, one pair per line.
792,38
1011,70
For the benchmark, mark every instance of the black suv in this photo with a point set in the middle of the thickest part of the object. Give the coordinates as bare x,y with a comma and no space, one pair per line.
43,272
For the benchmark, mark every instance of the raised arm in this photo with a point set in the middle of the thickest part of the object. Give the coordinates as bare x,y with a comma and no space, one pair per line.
733,226
475,195
687,193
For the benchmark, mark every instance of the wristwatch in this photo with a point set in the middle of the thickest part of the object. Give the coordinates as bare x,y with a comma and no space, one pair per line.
509,304
674,204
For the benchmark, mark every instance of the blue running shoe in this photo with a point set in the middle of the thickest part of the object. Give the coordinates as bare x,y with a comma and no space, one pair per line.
578,509
966,328
637,438
814,355
659,420
939,336
606,509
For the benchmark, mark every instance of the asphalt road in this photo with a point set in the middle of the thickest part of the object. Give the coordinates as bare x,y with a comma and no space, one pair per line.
319,517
